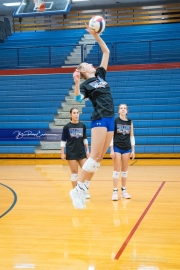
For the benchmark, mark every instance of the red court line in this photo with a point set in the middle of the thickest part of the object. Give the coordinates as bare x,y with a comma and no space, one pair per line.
138,223
67,69
144,66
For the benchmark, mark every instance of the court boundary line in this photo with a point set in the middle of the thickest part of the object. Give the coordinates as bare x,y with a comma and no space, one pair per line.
122,248
14,202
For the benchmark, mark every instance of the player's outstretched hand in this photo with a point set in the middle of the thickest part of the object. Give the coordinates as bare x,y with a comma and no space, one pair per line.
76,76
90,31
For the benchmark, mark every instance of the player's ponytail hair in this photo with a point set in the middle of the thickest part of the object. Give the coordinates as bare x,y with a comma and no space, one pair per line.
124,105
80,67
71,110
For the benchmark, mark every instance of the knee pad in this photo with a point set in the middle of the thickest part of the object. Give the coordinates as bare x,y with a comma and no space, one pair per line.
91,165
74,177
124,174
116,175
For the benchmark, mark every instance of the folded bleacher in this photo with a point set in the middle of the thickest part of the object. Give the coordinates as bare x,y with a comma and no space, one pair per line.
140,44
28,105
128,45
33,101
38,49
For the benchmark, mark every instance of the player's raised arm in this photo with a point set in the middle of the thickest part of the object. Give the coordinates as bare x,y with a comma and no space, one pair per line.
103,46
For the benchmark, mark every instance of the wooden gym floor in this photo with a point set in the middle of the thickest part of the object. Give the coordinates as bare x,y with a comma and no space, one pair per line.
40,229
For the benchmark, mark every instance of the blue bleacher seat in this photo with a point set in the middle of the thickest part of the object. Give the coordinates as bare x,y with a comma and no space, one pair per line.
29,103
128,45
140,44
153,98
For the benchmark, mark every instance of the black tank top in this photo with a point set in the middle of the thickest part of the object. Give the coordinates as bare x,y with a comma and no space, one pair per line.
122,130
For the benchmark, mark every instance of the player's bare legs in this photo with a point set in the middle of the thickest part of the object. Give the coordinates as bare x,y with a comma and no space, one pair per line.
121,163
88,179
99,144
74,171
124,170
73,164
117,168
109,136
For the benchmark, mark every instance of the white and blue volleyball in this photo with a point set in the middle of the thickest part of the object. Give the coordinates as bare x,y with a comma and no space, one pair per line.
97,23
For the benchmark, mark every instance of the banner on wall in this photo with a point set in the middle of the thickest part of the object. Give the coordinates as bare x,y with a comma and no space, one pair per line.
31,134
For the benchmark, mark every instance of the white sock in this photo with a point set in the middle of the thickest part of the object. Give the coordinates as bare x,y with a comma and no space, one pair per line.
87,183
80,187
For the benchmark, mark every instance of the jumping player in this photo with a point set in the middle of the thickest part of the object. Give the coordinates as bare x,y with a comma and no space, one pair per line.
102,120
122,148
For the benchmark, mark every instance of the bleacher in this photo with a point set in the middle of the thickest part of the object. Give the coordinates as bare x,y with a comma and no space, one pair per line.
32,102
140,44
153,98
29,103
128,45
38,49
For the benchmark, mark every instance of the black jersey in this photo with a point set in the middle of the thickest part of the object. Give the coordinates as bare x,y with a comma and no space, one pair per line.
122,130
98,91
73,135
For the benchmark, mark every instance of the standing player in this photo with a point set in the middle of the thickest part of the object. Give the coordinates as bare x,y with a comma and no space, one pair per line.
102,125
75,141
122,148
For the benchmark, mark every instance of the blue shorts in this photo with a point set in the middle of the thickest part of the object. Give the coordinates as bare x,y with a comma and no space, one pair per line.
107,122
121,151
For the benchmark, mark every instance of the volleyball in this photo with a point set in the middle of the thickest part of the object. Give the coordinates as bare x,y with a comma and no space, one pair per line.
97,23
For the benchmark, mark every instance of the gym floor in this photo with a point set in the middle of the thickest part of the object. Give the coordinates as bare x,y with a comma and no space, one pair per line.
41,230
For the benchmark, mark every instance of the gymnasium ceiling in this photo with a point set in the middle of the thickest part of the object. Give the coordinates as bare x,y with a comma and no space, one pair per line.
90,4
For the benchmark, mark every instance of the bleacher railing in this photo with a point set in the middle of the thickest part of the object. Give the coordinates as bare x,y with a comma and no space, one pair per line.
146,51
37,56
154,51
